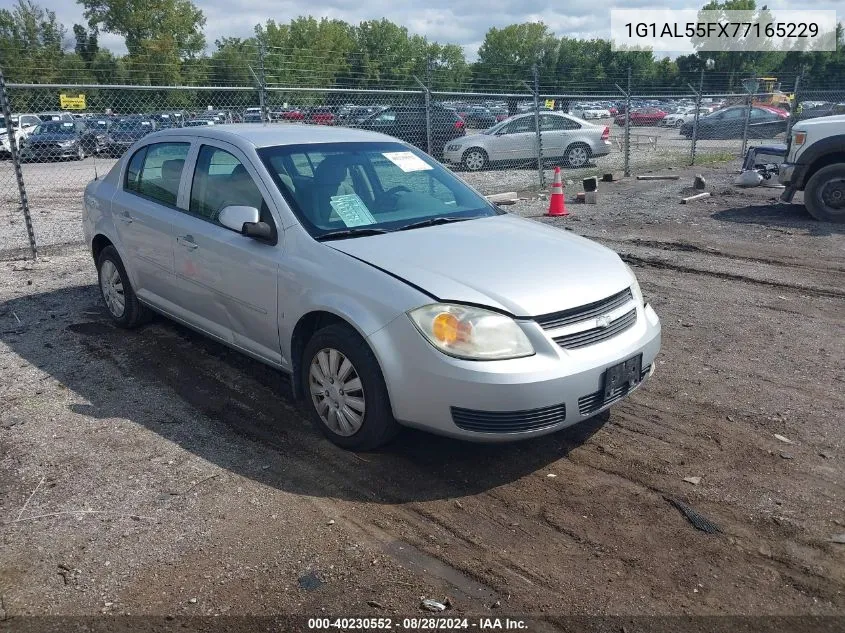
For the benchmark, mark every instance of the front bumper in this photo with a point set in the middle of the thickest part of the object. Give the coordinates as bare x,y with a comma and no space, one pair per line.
49,153
792,175
425,385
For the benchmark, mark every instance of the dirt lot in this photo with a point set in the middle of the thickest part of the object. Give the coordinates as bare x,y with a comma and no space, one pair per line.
157,472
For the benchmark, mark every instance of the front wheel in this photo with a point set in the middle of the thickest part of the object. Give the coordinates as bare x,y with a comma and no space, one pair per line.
474,159
346,394
576,156
824,194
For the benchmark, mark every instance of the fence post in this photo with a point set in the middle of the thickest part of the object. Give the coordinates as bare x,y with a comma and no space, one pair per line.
627,95
536,89
427,99
262,83
698,97
793,111
13,150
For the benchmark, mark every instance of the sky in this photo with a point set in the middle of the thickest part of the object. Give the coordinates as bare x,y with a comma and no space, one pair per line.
446,21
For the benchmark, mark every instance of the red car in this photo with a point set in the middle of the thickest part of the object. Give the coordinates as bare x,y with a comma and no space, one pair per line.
293,115
642,116
321,116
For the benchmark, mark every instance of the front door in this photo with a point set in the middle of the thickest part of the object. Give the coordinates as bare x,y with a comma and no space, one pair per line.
516,141
227,281
142,210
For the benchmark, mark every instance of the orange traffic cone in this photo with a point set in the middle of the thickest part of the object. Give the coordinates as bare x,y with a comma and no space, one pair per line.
557,203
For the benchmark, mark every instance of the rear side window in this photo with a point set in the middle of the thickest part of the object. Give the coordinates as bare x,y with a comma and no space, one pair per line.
155,171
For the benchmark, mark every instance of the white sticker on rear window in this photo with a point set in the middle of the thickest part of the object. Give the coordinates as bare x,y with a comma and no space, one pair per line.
407,161
68,124
351,210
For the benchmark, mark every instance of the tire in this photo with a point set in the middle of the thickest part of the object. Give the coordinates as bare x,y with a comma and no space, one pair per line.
577,155
824,194
474,159
679,123
114,289
368,401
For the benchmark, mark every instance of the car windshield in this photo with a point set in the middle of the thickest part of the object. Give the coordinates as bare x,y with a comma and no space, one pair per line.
131,125
55,127
98,124
369,187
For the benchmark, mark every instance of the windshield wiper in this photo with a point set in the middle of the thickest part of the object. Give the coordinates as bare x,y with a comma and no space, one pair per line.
431,222
344,233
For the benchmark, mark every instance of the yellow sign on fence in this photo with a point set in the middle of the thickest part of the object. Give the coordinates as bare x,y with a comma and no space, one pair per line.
72,102
550,104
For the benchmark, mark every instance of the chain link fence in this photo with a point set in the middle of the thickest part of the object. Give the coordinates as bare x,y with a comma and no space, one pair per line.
496,141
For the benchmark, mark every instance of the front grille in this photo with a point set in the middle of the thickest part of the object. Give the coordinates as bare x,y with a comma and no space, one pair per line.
597,334
508,421
582,313
589,404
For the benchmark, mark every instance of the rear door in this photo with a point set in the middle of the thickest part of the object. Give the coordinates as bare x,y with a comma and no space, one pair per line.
143,209
557,132
227,282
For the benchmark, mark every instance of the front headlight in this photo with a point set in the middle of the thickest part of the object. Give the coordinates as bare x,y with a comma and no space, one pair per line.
66,143
635,286
471,333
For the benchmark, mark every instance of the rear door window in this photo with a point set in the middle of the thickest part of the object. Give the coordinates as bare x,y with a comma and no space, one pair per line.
155,171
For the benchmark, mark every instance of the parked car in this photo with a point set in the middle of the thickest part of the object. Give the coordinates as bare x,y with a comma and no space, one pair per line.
642,116
21,127
763,122
124,132
168,119
391,292
99,128
681,116
199,122
591,112
569,139
289,114
358,114
479,117
58,140
322,115
407,123
252,115
56,116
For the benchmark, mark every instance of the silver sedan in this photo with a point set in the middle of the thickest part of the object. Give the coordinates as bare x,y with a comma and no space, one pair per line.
571,140
391,292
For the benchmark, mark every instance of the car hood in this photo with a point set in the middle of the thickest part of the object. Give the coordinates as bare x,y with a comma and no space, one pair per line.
127,136
52,138
508,263
472,139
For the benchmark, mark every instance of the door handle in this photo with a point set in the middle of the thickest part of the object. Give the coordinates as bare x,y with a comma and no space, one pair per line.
187,241
125,218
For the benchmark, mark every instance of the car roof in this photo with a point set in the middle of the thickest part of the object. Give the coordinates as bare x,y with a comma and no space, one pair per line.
260,135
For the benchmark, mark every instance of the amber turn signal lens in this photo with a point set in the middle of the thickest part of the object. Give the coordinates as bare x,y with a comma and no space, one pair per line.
445,328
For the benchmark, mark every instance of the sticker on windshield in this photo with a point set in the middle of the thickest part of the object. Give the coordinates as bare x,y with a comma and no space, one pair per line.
407,161
351,210
67,124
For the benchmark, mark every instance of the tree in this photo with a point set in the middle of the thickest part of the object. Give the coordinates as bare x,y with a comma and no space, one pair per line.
507,55
30,43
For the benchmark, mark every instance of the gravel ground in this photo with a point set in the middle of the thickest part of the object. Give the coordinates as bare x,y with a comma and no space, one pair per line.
55,189
157,472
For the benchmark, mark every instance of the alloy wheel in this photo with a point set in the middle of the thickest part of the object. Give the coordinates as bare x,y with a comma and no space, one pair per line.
111,286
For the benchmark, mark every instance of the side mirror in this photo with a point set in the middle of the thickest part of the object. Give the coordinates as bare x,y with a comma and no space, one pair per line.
236,216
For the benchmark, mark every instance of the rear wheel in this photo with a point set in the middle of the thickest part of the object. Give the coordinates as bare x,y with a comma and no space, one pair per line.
824,194
577,155
123,306
345,390
474,159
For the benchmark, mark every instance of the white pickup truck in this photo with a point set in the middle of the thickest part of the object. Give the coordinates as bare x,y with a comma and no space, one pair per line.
815,164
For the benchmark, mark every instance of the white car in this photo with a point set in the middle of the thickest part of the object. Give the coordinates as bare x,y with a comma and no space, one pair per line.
22,125
591,113
685,115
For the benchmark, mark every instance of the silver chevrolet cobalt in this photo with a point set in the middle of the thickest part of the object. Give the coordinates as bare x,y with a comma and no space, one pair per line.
390,291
